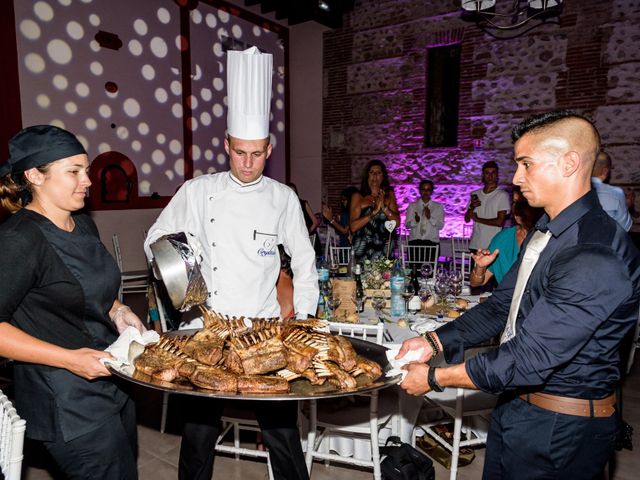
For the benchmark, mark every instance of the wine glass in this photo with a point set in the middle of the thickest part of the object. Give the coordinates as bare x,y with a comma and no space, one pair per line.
359,302
424,294
456,282
333,303
426,270
442,288
378,302
407,293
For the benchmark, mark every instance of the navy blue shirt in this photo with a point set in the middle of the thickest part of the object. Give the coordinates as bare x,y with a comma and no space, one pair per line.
579,302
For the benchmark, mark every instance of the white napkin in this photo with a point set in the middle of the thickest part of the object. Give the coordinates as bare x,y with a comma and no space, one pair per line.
396,365
129,345
427,325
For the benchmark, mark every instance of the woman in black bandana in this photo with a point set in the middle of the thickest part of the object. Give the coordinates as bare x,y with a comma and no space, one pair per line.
58,309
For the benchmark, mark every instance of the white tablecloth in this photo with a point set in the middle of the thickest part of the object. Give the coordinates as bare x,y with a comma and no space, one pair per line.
408,405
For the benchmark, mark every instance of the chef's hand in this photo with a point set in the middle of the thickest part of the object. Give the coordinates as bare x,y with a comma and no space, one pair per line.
416,217
85,362
415,383
123,317
416,343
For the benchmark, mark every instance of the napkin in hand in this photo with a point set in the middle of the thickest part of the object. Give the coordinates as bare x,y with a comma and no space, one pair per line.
396,365
128,346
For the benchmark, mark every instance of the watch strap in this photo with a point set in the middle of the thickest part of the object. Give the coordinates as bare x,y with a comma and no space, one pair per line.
431,380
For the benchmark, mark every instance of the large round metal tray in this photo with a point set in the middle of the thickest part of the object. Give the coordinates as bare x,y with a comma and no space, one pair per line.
300,389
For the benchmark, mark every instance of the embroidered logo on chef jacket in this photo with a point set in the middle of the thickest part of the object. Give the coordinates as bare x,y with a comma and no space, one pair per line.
268,240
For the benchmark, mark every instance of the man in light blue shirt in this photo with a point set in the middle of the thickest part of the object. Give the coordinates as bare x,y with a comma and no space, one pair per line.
611,198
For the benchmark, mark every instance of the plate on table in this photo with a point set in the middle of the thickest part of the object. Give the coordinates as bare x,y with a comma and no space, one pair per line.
300,389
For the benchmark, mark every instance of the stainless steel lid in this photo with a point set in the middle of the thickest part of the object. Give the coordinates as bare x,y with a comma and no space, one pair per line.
175,264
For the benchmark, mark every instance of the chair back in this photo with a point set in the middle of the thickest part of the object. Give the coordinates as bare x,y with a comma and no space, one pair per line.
459,245
331,240
134,281
465,266
12,429
116,250
339,256
368,332
417,255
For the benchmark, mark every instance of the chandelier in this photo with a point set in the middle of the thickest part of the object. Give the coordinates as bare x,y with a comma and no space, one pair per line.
488,17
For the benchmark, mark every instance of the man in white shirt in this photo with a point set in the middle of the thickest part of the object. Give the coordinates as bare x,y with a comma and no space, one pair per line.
488,208
425,217
236,220
612,199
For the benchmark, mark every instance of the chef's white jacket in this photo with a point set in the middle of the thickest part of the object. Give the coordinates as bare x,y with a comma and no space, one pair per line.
236,229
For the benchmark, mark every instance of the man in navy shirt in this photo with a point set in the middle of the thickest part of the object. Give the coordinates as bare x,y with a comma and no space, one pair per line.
557,367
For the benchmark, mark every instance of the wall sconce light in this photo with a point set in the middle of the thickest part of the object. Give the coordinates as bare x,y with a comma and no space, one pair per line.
488,17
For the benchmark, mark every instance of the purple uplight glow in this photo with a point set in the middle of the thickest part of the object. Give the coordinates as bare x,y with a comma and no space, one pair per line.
454,198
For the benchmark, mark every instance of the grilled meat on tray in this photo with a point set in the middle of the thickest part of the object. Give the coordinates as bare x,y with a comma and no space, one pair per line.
257,356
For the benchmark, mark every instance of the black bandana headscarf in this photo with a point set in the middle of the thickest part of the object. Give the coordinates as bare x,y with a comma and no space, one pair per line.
39,145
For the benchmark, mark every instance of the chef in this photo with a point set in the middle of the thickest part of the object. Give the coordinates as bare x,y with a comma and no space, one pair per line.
234,221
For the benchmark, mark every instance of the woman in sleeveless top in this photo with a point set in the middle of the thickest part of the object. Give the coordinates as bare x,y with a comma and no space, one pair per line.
371,208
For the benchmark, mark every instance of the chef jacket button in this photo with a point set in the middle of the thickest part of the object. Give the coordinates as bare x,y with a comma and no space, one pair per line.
215,268
201,258
215,292
209,294
213,244
212,220
211,197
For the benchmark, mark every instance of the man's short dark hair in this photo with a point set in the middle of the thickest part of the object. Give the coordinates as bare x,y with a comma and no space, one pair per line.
489,164
545,120
426,182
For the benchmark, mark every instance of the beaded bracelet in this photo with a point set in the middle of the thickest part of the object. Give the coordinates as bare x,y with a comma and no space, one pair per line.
432,342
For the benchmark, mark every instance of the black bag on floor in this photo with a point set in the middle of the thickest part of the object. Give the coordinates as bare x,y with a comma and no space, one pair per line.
403,462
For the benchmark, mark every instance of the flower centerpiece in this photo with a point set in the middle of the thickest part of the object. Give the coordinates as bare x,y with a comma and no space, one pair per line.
377,273
375,279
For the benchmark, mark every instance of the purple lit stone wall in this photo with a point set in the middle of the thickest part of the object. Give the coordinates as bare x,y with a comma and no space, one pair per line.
375,93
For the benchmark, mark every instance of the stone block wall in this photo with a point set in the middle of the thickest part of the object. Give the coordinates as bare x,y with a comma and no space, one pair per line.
375,92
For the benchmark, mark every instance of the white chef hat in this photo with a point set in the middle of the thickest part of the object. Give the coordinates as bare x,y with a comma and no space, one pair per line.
249,93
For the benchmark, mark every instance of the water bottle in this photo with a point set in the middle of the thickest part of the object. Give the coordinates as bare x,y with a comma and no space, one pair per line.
324,286
397,287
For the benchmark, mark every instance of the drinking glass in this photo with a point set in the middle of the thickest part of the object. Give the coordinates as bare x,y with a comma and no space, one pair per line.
378,302
407,294
442,288
456,282
424,294
359,302
333,303
426,270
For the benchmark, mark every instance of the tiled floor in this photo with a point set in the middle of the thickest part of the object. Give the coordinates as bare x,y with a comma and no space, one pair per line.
158,454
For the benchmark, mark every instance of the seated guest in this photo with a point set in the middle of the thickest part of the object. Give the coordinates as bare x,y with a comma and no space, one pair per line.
341,225
425,217
611,198
371,207
503,250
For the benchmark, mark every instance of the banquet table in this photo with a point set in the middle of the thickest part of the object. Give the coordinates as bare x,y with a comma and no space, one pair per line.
409,406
